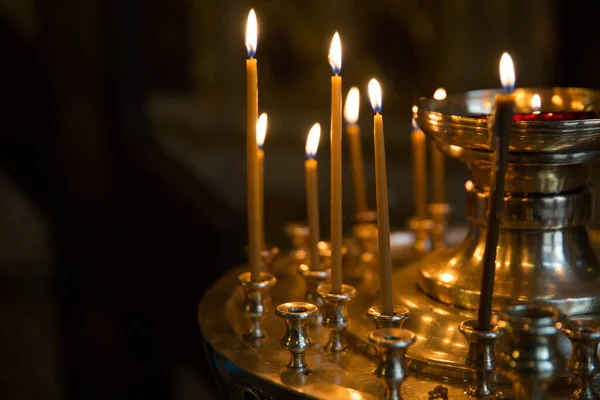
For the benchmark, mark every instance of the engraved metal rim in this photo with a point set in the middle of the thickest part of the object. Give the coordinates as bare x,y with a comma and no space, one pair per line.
267,280
450,121
348,292
392,338
296,310
469,329
307,273
401,313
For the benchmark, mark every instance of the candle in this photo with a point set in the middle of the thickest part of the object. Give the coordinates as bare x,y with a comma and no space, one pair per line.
335,60
437,162
500,123
261,133
536,104
383,214
419,170
351,112
252,182
312,195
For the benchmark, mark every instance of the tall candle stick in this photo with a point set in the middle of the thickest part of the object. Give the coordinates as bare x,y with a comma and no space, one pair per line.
500,124
252,182
335,60
351,112
383,213
437,162
419,171
261,133
312,195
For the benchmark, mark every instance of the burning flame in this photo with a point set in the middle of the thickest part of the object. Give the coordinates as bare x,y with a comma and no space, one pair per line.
335,54
440,94
536,103
507,73
375,95
261,130
352,106
312,141
251,34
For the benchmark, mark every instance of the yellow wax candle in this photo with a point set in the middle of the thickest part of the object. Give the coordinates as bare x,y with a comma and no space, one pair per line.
438,167
335,60
312,195
251,153
351,112
261,133
383,213
419,171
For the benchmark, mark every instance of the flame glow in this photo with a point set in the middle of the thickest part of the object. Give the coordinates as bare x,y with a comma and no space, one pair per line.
507,73
415,110
536,103
375,95
352,106
335,54
440,94
261,130
251,34
312,141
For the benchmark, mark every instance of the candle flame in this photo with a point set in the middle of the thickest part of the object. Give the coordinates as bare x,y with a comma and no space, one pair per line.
440,94
251,34
352,106
261,130
536,103
507,73
312,141
415,110
335,54
375,95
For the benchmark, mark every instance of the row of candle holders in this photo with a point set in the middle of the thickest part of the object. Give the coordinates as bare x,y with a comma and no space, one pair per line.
531,357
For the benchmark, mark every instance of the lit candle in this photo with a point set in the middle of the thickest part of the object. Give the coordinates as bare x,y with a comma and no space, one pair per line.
312,195
419,170
351,112
536,104
500,124
252,181
437,162
335,60
261,133
383,213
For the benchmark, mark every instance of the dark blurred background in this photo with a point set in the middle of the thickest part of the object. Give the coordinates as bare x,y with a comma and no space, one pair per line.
122,189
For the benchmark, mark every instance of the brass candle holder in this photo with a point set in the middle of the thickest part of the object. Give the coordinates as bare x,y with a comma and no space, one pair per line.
533,358
256,302
381,320
297,337
392,370
584,363
481,358
336,315
422,228
314,280
439,215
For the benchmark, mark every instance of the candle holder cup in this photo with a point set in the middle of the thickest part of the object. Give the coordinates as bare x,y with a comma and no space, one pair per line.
481,358
533,358
298,235
381,320
336,315
439,214
256,302
314,280
297,337
584,363
422,228
392,344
